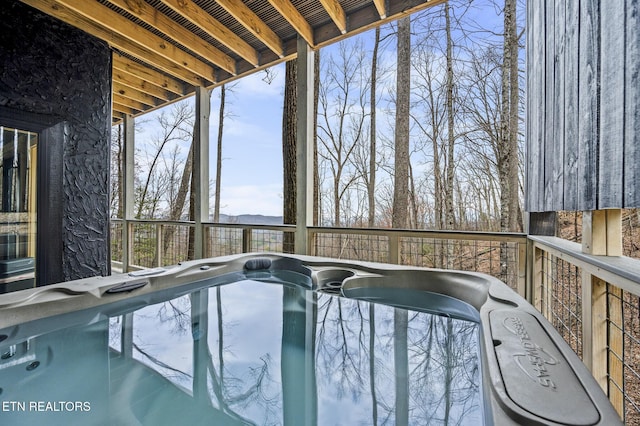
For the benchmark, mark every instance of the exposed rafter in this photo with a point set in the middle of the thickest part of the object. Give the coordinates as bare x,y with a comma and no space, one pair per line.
133,81
124,109
151,16
254,24
148,75
120,100
105,17
135,94
164,49
295,19
207,23
336,12
123,43
382,9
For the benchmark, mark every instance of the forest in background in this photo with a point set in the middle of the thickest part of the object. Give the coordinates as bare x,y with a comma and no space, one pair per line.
419,125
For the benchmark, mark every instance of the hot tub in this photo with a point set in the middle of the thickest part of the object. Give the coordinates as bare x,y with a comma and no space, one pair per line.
283,339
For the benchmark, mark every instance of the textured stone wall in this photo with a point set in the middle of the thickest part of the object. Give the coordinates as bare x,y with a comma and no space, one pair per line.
54,70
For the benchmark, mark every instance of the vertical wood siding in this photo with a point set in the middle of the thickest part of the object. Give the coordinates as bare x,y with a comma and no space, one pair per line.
536,101
583,106
558,103
612,54
631,181
571,146
588,94
549,123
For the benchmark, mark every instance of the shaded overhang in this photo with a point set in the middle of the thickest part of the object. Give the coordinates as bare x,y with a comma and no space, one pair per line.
164,49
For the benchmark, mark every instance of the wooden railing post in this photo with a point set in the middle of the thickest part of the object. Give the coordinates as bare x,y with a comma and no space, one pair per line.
206,250
312,244
602,321
394,249
246,240
594,320
159,244
547,281
522,269
537,274
127,252
616,348
126,245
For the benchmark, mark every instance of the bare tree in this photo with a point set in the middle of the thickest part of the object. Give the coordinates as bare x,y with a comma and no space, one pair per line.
403,88
371,178
174,126
289,152
448,189
117,163
216,207
342,103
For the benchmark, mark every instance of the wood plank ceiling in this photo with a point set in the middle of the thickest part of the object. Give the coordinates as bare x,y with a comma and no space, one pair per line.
163,49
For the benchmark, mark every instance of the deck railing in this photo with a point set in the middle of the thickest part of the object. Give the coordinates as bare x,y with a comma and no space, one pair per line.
599,320
154,243
594,302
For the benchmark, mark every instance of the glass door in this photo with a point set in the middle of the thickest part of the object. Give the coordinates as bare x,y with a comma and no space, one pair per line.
18,208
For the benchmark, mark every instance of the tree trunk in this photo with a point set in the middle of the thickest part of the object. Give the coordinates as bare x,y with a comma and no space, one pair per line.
289,153
401,165
449,212
181,197
514,101
371,182
448,198
508,145
216,209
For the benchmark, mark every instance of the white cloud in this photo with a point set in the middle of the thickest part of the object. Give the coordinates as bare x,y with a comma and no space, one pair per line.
256,85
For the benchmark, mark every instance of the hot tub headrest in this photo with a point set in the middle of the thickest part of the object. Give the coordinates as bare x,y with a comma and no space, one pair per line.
257,264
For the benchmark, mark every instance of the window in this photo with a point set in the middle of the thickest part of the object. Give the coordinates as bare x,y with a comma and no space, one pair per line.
17,208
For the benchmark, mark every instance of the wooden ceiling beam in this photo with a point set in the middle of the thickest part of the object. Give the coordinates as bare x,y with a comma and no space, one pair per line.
381,7
122,109
107,18
207,23
134,94
336,12
57,10
254,24
116,117
135,106
295,18
367,18
141,85
166,25
149,75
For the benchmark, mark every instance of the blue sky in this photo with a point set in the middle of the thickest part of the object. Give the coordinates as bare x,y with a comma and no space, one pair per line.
252,147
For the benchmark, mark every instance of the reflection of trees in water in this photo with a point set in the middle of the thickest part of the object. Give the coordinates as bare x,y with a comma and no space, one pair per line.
433,380
342,344
177,313
176,317
234,394
358,358
445,371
